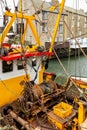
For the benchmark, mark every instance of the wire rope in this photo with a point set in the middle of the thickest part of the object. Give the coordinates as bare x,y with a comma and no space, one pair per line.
23,51
16,49
68,75
76,40
79,68
36,11
47,21
75,31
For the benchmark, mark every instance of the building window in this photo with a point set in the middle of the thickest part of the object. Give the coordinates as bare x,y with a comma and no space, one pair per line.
7,66
79,32
61,28
60,39
85,25
73,23
44,28
86,20
72,17
44,15
19,64
78,18
78,24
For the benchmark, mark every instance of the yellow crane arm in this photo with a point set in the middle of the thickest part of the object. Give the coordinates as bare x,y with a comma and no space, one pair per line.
21,16
61,6
6,29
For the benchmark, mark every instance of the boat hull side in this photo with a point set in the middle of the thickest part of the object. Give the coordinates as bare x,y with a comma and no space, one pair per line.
10,90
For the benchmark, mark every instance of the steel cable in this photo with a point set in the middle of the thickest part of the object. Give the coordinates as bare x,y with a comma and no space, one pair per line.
76,41
68,75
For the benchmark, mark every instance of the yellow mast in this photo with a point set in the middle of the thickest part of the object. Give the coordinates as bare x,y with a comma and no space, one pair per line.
61,5
20,15
30,23
21,6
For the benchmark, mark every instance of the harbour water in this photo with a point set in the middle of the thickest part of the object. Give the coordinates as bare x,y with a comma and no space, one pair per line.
76,66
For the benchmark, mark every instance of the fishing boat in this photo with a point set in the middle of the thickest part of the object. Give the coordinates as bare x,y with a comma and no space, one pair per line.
80,81
29,96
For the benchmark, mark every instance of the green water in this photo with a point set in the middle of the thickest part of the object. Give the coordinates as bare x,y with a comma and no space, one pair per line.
74,66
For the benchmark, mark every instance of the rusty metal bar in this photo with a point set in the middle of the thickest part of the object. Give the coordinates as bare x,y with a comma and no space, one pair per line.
24,123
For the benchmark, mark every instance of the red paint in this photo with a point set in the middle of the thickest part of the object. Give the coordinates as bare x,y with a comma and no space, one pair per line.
31,54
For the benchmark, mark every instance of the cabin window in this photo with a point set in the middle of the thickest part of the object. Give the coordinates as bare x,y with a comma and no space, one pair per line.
19,64
33,62
7,66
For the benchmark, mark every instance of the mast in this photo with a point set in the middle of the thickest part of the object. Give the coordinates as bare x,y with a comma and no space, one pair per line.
29,23
61,5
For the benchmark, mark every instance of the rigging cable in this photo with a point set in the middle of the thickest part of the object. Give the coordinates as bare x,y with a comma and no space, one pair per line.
69,50
11,91
77,44
76,40
42,23
36,70
79,54
37,11
23,51
75,31
68,75
78,48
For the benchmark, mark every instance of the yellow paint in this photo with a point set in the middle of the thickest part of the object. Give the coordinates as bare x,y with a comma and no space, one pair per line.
81,113
48,77
56,123
25,29
74,128
81,85
21,6
10,90
6,30
57,24
41,74
52,8
28,22
63,109
75,124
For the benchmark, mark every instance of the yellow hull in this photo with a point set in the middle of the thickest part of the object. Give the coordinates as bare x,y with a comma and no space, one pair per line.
10,90
80,82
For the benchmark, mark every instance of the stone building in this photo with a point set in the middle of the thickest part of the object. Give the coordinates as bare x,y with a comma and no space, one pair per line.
76,21
73,22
